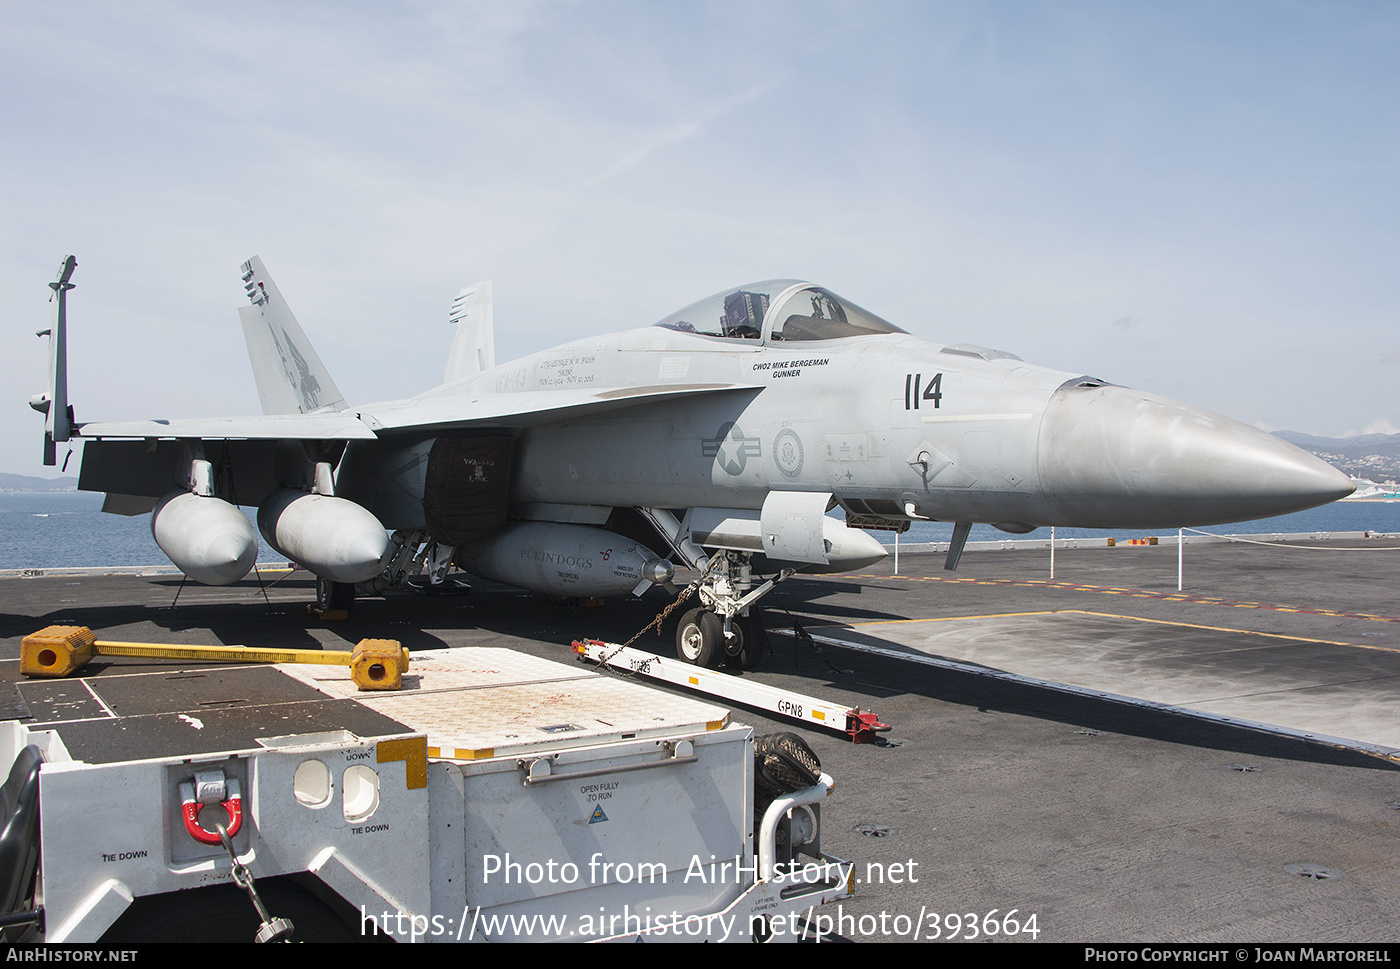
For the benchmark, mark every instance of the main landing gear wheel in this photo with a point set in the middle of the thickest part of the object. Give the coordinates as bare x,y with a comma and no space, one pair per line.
700,638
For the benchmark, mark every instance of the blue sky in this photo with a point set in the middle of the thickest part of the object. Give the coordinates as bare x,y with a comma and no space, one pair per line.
1199,200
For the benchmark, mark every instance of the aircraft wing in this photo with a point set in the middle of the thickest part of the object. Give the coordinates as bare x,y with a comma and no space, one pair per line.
444,411
149,458
437,411
275,427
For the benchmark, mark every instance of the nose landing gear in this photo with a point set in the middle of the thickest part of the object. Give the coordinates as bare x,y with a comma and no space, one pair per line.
701,640
726,628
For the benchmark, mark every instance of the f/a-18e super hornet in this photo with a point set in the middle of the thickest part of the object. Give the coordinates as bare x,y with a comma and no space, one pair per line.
720,437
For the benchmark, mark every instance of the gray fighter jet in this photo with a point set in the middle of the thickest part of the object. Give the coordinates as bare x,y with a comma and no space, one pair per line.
719,437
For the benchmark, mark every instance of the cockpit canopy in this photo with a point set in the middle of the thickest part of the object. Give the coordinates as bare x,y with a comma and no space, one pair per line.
791,311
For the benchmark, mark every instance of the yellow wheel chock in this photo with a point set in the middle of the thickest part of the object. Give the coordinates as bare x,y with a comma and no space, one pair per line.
57,651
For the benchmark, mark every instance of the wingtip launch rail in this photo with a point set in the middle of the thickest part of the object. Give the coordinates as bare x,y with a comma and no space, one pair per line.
58,414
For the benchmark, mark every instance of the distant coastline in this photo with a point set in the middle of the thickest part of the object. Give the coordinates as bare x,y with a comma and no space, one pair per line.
23,484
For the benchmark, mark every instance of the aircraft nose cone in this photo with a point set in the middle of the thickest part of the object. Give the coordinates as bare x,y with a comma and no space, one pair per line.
1111,457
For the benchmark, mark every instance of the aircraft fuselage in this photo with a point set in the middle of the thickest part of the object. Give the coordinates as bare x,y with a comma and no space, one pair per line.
892,426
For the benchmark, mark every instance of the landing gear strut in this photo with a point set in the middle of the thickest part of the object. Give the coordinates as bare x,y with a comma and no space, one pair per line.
726,627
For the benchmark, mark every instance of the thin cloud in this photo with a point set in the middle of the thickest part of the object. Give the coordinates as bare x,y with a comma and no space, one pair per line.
681,132
976,174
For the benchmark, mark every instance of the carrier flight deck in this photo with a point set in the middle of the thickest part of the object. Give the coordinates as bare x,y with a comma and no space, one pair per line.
1119,760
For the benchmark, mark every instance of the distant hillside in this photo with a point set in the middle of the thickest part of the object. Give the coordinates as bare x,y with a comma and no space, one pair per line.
24,482
1373,456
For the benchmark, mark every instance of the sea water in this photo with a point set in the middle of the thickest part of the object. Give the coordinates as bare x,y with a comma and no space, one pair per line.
66,529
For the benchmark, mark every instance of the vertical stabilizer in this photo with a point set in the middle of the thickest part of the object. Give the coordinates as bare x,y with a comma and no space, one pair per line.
474,346
291,378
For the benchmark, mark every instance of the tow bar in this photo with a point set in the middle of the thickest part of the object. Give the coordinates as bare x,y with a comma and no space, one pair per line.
862,726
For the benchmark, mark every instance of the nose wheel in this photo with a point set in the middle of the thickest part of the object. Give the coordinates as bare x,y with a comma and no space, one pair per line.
700,640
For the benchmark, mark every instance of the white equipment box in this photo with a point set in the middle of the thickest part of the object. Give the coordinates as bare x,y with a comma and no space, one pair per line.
496,797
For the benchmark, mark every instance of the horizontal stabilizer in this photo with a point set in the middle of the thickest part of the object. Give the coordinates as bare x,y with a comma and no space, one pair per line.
290,376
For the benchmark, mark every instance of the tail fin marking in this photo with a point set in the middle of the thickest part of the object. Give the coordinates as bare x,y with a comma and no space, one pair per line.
291,378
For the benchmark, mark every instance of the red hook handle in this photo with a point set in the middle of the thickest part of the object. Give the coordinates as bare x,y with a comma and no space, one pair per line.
190,808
